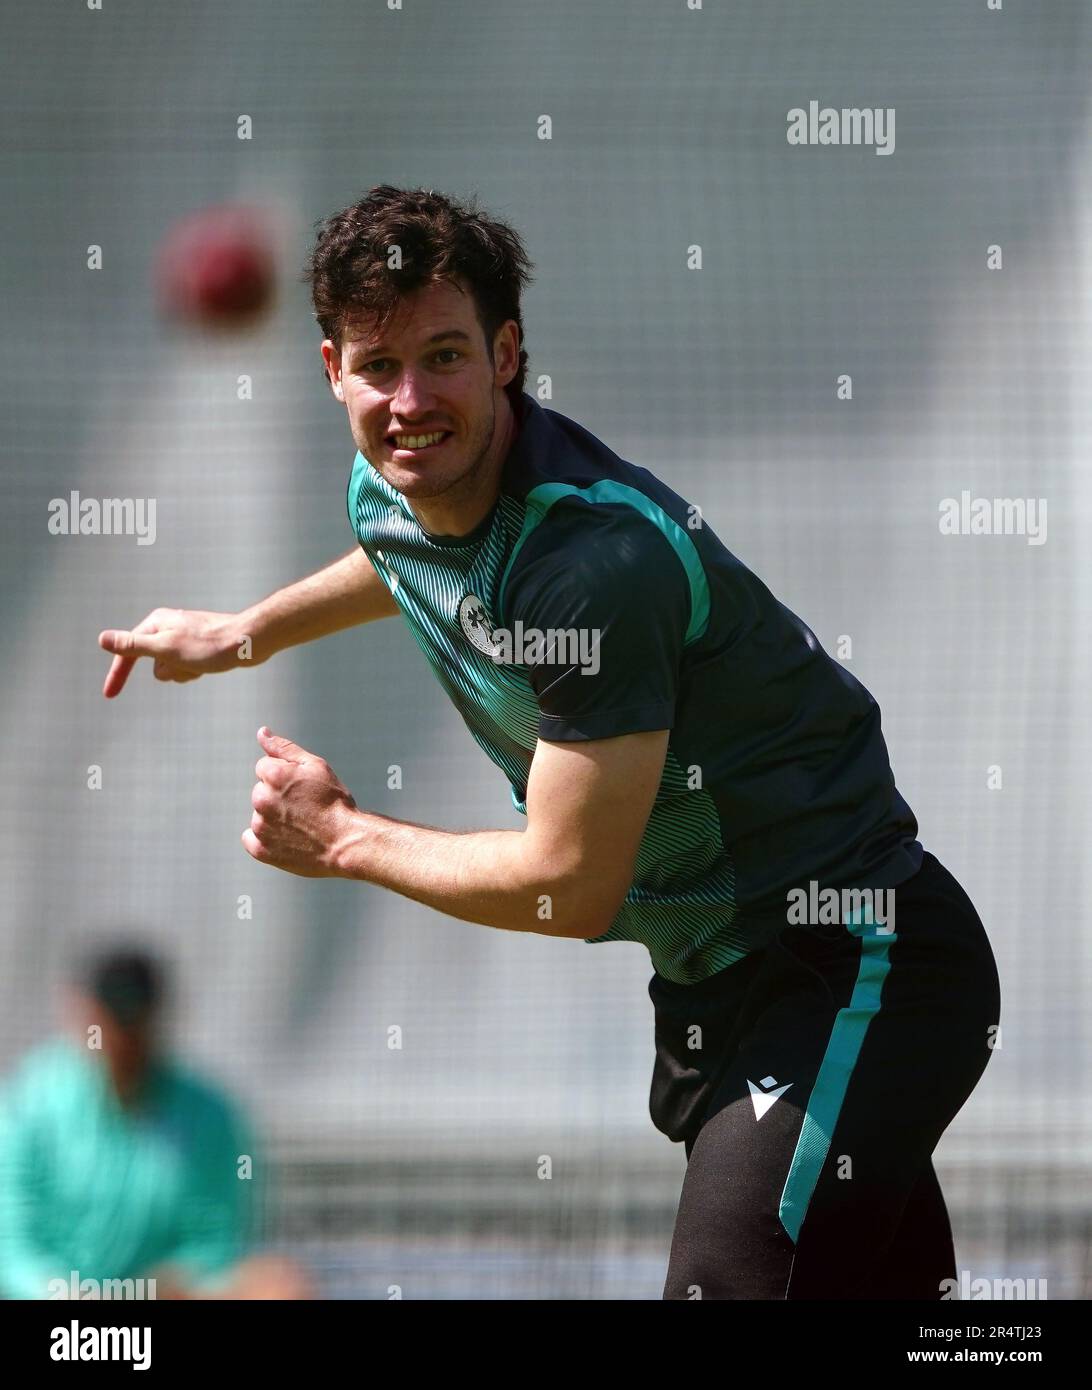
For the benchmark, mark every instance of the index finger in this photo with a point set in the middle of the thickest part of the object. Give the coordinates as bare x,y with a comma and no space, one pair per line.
116,677
127,646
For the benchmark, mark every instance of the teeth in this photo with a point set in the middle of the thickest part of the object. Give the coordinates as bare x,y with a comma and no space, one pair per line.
418,441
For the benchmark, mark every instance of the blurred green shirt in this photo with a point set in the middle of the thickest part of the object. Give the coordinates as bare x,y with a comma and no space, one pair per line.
111,1192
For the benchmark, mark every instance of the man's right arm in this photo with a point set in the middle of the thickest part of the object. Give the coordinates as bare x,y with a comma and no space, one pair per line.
186,643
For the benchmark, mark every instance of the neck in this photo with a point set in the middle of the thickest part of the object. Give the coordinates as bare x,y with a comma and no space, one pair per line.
466,504
130,1090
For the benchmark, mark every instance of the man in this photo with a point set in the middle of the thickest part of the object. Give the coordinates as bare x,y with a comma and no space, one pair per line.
121,1174
685,752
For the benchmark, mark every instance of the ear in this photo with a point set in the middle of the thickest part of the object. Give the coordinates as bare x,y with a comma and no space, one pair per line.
331,361
506,353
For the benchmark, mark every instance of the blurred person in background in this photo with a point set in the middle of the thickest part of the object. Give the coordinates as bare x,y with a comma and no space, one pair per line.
117,1164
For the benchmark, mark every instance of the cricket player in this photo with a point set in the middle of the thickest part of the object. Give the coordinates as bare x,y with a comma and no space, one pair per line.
696,772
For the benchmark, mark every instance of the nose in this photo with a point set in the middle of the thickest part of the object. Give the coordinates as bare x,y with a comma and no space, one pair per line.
412,397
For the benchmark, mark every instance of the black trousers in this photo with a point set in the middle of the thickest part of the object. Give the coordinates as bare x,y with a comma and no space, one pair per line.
811,1082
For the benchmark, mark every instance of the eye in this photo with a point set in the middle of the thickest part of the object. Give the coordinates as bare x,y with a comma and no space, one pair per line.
454,352
372,368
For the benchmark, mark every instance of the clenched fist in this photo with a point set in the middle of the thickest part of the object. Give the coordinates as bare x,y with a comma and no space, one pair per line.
303,812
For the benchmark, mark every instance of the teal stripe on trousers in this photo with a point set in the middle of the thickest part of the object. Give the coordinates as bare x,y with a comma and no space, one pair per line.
829,1092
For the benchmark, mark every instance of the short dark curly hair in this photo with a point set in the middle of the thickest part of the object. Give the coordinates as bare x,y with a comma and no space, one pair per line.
440,239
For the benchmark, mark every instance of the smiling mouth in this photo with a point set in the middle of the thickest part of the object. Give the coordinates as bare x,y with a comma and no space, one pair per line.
413,445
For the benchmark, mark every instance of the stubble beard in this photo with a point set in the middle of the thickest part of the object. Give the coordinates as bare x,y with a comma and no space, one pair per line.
463,486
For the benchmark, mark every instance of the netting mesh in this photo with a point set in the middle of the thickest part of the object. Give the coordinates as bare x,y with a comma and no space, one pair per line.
418,1166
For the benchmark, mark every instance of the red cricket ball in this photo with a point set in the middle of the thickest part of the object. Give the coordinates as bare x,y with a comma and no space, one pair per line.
216,267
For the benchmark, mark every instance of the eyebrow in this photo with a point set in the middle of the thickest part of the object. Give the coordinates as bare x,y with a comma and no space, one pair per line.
448,333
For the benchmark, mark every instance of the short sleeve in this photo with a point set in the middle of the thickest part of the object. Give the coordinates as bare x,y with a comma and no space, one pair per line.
608,593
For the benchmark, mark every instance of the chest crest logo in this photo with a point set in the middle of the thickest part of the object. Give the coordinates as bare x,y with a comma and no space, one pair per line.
475,624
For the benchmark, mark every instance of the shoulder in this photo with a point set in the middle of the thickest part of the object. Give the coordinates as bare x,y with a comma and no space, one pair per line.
585,508
602,547
204,1102
601,529
49,1075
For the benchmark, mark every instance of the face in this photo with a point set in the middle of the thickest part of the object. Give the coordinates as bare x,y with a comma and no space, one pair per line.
126,1050
423,398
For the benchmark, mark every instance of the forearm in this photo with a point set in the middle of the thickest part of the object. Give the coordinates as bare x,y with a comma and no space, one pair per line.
496,878
344,594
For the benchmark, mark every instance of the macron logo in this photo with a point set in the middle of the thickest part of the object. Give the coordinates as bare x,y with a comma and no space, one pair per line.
762,1097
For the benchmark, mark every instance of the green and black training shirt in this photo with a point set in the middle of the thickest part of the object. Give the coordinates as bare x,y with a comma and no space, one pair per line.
777,774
